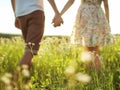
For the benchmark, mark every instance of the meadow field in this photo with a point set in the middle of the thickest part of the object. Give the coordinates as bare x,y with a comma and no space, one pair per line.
57,66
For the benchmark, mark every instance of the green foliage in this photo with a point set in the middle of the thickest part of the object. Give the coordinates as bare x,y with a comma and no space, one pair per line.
55,55
2,35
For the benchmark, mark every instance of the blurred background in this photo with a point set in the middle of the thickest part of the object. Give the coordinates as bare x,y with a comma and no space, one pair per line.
7,18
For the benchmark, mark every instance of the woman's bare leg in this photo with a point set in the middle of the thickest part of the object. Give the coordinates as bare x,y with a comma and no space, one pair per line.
96,61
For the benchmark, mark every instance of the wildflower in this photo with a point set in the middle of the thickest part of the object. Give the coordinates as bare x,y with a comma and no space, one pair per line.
9,87
25,66
71,82
87,56
33,44
26,87
69,71
18,69
82,77
9,75
6,80
29,43
26,72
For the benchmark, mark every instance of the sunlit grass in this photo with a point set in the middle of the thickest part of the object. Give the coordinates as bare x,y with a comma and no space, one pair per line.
58,66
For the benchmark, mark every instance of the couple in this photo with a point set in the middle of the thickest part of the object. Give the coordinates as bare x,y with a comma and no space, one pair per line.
91,28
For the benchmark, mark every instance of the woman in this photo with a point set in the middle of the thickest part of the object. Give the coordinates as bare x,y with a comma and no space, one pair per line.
91,28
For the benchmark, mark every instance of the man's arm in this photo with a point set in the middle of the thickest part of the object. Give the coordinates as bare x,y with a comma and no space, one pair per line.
52,3
17,23
59,20
13,5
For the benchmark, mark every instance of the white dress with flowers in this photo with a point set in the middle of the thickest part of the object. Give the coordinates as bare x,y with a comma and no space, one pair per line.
91,27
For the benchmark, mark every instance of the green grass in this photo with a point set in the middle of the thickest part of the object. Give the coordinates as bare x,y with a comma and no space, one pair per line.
55,55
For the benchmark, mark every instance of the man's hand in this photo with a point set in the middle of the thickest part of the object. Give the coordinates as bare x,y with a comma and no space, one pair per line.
17,23
57,21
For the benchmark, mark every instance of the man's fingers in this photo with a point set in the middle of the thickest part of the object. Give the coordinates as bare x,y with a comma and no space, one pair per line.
17,23
57,21
56,24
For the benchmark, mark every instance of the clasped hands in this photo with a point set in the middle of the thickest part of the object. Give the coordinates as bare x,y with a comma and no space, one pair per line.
57,20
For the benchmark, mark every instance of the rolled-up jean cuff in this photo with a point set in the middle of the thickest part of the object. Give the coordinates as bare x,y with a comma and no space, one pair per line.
33,51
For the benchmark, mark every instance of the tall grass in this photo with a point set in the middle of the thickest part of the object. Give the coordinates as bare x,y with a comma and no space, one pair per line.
54,57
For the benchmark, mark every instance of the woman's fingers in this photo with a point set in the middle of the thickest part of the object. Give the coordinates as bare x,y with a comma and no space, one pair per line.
57,21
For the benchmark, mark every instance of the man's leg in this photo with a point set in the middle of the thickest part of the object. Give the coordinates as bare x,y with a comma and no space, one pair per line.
32,35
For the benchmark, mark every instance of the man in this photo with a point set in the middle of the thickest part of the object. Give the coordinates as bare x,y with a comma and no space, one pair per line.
30,19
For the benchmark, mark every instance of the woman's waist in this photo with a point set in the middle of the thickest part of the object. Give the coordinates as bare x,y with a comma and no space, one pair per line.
91,3
87,5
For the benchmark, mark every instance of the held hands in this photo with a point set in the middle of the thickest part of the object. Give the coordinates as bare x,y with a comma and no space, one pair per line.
57,20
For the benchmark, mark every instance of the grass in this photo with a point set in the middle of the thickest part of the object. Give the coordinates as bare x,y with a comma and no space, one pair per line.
58,66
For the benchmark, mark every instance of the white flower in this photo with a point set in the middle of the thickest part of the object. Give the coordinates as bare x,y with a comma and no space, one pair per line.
6,80
26,72
29,43
83,77
9,75
70,70
33,44
87,56
25,66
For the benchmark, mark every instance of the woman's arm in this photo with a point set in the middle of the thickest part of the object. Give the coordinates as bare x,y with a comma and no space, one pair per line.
82,1
106,7
67,6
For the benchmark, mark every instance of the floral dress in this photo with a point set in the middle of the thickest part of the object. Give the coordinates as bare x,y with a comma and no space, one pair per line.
91,27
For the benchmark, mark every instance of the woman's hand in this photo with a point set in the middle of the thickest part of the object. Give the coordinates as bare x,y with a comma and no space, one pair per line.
57,20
